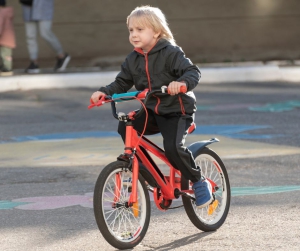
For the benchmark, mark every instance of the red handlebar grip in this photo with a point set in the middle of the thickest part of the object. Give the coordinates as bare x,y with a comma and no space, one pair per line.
183,89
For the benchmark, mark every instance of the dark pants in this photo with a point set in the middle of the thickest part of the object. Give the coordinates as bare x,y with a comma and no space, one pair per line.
173,128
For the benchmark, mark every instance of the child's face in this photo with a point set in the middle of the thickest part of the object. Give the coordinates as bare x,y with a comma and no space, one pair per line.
141,36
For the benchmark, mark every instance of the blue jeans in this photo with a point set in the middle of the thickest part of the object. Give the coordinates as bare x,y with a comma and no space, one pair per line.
45,30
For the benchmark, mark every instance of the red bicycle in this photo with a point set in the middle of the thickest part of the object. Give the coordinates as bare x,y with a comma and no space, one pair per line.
121,194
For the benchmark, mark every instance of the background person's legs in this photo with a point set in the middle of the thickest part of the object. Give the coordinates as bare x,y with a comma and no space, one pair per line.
45,28
32,45
31,37
6,57
46,32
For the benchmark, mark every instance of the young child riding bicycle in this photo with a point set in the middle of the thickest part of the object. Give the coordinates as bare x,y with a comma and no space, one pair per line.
157,61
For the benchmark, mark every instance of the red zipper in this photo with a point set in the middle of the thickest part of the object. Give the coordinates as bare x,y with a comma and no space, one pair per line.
147,71
146,66
156,107
148,75
149,83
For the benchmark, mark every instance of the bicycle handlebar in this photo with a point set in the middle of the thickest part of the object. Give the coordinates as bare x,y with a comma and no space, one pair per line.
146,94
119,98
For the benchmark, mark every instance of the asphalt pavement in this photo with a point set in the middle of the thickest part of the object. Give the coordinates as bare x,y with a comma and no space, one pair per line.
52,148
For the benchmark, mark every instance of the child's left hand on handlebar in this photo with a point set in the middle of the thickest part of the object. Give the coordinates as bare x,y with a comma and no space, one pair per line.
174,87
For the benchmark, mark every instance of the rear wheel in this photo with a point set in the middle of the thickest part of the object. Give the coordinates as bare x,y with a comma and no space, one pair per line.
121,225
212,167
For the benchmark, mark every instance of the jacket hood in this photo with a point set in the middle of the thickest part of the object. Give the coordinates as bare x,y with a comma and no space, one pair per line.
161,43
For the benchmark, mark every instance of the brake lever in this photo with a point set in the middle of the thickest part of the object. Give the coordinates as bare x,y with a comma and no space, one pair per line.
99,102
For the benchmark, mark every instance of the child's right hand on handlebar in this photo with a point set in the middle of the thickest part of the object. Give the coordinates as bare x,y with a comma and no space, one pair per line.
96,96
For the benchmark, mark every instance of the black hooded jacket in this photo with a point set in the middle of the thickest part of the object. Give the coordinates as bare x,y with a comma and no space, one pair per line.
163,64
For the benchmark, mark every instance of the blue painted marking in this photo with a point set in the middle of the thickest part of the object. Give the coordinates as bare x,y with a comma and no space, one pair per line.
5,204
204,107
227,129
41,157
88,156
71,135
243,191
277,107
232,131
103,155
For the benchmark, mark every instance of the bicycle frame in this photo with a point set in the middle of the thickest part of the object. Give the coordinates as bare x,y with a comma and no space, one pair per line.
138,147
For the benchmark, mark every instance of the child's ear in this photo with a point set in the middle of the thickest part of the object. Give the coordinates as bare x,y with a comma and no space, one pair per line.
156,35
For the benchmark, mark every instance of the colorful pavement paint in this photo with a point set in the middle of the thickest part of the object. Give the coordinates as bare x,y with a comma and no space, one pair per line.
6,204
232,131
86,200
277,107
272,107
103,150
224,107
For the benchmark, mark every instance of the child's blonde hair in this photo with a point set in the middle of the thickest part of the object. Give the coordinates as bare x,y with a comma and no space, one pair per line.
152,17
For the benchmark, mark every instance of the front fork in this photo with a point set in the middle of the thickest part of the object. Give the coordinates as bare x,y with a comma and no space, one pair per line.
134,184
135,178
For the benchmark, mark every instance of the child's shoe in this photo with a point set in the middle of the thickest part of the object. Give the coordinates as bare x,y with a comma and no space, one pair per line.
203,192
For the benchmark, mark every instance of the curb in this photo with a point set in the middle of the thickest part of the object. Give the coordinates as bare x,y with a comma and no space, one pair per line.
60,80
267,73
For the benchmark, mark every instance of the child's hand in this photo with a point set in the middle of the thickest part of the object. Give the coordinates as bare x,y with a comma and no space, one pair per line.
174,87
96,96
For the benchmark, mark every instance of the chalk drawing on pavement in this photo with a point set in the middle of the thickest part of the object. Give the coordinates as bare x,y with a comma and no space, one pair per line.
6,204
277,107
270,107
86,200
224,107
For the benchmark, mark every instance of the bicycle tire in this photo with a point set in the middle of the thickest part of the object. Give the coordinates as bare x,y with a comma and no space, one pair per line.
213,168
122,227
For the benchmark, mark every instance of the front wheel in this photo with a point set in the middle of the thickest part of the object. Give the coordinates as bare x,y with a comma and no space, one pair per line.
212,168
121,225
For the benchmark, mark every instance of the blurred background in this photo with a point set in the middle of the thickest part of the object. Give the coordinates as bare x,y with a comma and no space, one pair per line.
94,32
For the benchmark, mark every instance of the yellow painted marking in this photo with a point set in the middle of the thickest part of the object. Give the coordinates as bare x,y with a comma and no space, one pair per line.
101,151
